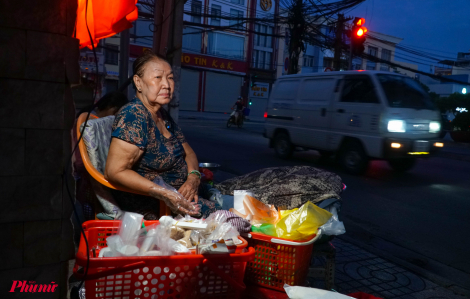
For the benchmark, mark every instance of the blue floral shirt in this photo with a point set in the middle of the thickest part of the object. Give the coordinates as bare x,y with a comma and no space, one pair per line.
162,156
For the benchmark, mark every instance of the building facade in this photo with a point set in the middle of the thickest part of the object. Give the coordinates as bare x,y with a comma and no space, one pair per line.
218,66
317,59
458,70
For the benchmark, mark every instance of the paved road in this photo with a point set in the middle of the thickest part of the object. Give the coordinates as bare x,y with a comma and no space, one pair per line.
420,216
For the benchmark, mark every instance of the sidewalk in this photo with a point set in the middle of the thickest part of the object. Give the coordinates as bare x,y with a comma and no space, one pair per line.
359,270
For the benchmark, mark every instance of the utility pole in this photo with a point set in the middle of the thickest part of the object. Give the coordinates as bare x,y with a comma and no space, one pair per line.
157,27
338,42
124,60
168,42
350,52
177,46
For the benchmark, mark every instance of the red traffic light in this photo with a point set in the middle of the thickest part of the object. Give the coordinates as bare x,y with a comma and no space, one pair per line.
360,21
361,31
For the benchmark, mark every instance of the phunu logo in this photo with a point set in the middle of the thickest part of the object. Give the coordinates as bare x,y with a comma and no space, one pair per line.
32,287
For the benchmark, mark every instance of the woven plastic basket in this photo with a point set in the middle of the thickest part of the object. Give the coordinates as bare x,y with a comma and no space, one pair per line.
184,276
278,261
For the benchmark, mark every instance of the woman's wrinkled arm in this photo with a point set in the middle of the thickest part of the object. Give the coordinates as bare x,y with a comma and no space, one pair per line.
121,158
190,157
191,186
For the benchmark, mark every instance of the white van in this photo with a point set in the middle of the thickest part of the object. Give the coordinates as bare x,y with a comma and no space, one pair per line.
358,115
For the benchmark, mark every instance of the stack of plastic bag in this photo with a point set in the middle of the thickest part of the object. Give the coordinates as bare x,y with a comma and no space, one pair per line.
171,236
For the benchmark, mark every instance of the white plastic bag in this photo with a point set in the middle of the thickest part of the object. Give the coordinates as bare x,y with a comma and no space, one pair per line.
333,226
238,197
232,235
147,238
296,292
130,224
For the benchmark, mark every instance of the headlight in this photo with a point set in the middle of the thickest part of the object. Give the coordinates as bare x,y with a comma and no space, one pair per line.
434,127
396,126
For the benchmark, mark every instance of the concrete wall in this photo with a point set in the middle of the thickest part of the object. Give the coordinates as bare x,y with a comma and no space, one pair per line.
38,61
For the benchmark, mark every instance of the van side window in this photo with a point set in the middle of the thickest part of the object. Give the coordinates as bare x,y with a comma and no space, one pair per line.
286,90
316,90
358,89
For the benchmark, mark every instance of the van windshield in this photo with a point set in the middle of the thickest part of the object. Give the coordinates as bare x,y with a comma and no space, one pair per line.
404,92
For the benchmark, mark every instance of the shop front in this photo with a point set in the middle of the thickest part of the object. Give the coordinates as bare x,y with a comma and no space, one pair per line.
209,83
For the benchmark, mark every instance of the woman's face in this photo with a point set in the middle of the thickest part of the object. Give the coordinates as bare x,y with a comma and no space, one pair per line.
156,84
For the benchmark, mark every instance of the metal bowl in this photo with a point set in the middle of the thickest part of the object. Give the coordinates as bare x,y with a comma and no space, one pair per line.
211,166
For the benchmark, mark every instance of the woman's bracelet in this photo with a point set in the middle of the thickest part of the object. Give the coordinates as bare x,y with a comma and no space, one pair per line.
196,173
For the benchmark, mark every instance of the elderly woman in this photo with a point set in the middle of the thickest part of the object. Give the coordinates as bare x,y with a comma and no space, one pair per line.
147,144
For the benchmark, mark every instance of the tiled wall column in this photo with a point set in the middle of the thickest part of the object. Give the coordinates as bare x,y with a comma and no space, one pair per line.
38,62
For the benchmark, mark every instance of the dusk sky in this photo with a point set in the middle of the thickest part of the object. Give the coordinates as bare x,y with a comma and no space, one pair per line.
439,27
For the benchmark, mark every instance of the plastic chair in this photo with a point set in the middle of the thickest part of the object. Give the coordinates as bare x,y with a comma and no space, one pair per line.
98,176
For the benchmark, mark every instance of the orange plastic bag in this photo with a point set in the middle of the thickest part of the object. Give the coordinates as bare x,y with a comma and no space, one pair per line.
258,212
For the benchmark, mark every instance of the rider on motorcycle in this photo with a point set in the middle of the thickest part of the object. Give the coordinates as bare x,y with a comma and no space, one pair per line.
238,113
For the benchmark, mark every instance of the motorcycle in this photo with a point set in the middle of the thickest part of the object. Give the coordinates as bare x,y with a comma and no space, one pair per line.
232,119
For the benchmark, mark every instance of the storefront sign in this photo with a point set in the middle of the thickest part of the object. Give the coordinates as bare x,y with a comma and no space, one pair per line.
260,91
88,63
112,75
213,62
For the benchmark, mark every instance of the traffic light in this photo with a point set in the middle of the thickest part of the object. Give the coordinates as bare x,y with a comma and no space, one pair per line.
358,37
249,102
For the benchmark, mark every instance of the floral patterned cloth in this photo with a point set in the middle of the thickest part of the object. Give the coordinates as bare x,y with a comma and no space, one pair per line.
162,156
286,187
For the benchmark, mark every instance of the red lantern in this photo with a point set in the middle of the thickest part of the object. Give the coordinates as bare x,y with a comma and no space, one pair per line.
104,18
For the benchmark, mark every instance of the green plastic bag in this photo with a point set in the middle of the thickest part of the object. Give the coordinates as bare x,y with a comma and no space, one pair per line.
296,224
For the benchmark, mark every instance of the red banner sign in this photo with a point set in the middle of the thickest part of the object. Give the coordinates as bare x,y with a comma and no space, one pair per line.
213,62
136,50
189,59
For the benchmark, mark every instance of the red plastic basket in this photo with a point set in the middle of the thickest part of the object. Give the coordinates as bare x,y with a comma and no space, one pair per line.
278,261
184,276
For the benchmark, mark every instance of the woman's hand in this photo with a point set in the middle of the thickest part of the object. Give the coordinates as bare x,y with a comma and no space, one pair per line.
190,188
176,202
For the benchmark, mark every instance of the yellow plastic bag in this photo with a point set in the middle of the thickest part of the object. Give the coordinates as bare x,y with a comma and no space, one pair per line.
299,224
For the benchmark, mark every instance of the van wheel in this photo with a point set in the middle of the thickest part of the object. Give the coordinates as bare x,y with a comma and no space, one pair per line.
354,158
282,146
402,164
